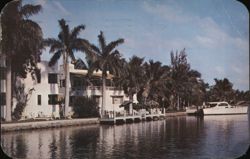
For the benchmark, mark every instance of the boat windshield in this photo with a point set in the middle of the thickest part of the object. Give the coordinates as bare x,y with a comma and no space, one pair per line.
212,105
223,104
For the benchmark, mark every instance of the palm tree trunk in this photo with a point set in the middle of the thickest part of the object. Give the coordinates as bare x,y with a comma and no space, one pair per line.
66,107
8,89
103,95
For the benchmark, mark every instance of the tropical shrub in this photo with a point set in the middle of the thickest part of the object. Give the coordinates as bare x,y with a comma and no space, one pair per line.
85,107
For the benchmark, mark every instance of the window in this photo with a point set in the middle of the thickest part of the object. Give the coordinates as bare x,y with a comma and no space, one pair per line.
223,104
39,100
39,76
2,72
52,99
52,78
2,99
117,100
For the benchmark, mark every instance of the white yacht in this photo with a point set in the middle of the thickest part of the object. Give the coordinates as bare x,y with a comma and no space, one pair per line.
223,108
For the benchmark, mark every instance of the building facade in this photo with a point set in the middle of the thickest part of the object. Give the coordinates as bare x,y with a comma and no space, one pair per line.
43,100
80,86
46,91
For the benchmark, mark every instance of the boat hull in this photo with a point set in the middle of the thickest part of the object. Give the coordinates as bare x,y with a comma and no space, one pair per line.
225,111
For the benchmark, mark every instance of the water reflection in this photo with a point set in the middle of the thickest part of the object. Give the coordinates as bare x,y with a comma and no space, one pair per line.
175,137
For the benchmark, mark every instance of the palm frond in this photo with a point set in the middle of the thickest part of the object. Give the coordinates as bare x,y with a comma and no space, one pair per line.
80,64
53,43
102,41
64,34
72,56
31,27
96,49
76,30
55,58
113,44
28,10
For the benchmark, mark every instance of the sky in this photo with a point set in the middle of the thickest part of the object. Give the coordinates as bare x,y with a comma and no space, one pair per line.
214,33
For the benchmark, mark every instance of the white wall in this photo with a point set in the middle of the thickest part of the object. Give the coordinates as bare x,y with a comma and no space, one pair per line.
44,89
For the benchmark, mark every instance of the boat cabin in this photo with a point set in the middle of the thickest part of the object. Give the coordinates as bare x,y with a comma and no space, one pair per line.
219,104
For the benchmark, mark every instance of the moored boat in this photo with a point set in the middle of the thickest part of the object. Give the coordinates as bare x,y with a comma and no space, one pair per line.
223,108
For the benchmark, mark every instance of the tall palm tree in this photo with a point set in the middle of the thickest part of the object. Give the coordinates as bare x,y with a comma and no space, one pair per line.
106,58
65,45
132,79
155,78
21,44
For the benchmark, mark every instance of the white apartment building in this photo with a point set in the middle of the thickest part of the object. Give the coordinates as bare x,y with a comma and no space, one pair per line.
47,90
42,102
80,87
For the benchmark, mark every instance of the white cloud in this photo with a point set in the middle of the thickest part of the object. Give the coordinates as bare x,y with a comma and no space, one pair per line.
166,12
209,33
61,8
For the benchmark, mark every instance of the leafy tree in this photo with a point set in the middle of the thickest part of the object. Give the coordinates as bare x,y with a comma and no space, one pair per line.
222,90
21,44
186,84
65,45
106,59
22,97
179,76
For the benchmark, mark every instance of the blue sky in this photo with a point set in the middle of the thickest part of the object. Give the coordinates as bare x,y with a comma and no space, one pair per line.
213,32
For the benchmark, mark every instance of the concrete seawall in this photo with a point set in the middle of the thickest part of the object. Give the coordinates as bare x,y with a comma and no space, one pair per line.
47,124
5,127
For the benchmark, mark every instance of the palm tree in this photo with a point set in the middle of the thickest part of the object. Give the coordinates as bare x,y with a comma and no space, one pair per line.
222,90
106,58
132,79
21,44
67,42
155,78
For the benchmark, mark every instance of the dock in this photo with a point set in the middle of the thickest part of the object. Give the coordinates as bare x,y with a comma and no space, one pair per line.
131,118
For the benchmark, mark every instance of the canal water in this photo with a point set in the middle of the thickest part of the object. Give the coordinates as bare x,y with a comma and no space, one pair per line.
175,137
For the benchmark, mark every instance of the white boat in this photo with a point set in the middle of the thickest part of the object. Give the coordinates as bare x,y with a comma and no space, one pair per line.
223,108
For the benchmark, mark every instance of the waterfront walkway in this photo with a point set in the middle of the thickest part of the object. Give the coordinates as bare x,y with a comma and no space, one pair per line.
16,126
47,124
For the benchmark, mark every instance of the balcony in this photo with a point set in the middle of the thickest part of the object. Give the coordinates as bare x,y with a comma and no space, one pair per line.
80,88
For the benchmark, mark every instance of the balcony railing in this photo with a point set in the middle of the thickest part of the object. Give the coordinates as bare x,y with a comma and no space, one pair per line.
94,88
